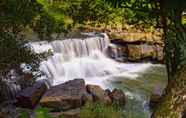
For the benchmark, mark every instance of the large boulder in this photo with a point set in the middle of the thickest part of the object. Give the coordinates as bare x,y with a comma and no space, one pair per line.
65,96
30,96
140,51
99,95
118,97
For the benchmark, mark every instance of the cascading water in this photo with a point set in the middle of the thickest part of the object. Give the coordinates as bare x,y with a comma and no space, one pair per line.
87,58
82,58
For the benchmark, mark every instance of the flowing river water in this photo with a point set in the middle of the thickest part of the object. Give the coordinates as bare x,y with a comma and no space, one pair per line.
87,58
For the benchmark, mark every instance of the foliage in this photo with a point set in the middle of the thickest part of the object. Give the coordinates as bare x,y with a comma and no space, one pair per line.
143,12
15,15
90,110
42,113
51,19
13,52
168,16
39,113
99,110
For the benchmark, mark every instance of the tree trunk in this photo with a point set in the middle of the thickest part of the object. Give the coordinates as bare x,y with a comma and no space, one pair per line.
173,102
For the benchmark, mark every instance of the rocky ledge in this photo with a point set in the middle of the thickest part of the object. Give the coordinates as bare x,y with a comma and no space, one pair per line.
136,51
74,94
66,99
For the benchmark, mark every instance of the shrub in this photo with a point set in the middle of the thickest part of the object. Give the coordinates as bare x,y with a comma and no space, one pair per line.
99,110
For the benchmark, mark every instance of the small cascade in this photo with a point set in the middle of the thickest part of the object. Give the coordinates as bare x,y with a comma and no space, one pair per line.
82,58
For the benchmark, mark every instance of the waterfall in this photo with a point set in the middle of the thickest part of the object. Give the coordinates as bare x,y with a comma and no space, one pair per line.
81,58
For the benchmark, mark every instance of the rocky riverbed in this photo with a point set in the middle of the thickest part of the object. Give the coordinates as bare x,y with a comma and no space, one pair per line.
65,99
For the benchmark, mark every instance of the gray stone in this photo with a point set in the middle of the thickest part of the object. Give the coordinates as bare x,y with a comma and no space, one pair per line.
65,96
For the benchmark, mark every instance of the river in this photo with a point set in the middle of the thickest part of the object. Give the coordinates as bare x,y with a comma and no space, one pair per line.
87,58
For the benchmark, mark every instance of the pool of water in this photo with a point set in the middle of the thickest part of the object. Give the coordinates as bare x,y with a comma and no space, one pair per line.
139,90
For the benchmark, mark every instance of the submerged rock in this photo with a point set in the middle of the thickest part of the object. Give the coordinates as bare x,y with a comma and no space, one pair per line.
30,96
99,95
65,96
118,97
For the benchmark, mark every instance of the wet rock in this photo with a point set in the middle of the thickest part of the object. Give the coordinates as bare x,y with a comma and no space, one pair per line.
99,95
30,96
154,100
74,113
65,96
118,97
159,53
112,51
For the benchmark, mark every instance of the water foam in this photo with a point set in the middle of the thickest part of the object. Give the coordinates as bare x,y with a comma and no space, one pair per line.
77,58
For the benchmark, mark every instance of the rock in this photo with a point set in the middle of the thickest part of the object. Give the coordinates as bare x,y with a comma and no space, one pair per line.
99,95
74,113
112,51
159,53
3,115
118,97
108,91
154,100
134,52
27,80
30,96
148,51
87,98
65,96
141,51
8,110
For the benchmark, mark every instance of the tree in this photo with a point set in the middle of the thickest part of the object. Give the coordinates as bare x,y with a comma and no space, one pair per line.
169,15
15,16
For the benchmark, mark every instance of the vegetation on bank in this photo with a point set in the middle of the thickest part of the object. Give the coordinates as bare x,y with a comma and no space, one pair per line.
90,110
99,110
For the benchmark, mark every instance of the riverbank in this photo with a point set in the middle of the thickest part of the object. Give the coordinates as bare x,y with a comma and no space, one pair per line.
173,103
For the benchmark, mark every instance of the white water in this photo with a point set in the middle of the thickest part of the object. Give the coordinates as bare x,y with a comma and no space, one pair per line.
77,58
